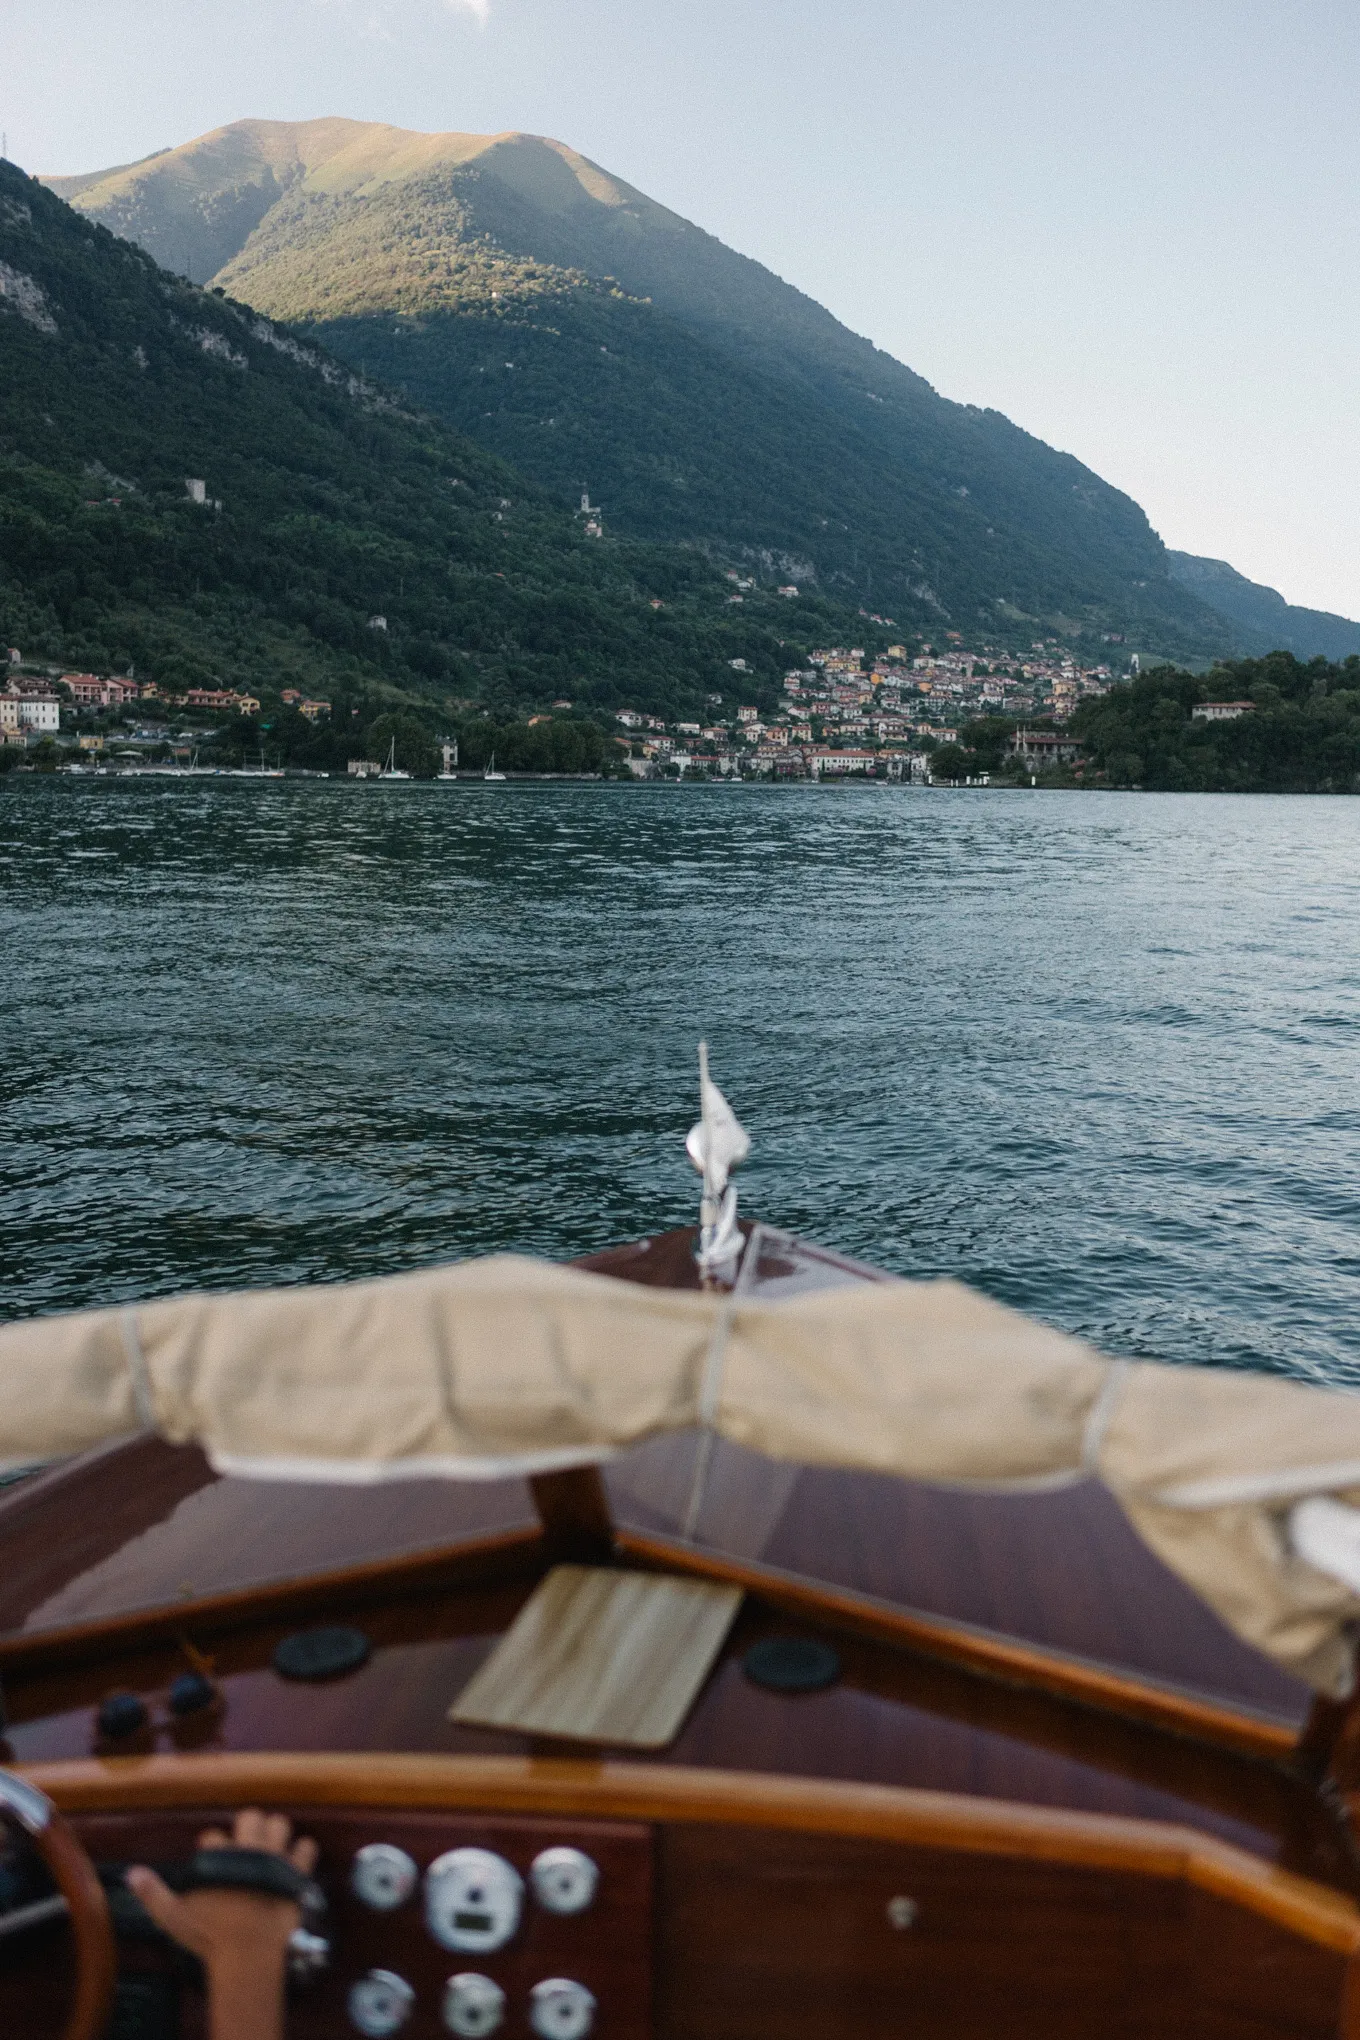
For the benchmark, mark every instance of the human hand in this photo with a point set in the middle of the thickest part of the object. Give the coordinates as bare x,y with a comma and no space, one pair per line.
241,1937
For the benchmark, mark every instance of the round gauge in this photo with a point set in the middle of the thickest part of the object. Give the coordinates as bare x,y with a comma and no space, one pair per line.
473,1900
382,1876
564,1880
473,2004
560,2009
380,2003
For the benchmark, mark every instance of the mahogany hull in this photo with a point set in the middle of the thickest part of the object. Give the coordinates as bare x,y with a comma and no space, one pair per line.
1102,1807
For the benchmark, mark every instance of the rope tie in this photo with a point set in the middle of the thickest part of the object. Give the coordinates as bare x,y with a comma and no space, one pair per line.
1102,1411
137,1370
710,1390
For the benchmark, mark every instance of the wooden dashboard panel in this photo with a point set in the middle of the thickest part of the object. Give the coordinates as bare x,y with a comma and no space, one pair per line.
741,1907
608,1948
772,1934
778,1937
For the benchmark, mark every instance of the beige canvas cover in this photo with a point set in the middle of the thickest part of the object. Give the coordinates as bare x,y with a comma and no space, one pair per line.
509,1363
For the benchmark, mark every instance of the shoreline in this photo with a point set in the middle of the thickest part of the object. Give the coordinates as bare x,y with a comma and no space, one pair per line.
183,774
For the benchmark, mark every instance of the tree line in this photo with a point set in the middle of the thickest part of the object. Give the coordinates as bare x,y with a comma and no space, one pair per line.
1299,732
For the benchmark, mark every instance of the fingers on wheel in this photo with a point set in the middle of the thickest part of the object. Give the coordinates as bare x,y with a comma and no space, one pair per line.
253,1829
165,1909
257,1830
277,1832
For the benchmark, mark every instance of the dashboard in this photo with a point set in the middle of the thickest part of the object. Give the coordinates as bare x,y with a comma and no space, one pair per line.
735,1908
506,1928
438,1924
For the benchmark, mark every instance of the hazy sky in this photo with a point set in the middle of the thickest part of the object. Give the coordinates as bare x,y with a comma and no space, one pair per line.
1131,227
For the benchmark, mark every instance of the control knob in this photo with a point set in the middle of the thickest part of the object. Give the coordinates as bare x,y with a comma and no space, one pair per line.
473,1901
560,2009
380,2003
382,1876
473,2004
564,1880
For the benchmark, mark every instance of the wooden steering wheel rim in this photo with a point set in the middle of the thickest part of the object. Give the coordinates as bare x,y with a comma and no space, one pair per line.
96,1953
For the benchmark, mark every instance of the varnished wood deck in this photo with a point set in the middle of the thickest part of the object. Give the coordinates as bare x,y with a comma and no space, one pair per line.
149,1525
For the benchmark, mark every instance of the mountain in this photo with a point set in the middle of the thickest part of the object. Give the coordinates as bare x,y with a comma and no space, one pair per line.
572,325
1309,633
328,503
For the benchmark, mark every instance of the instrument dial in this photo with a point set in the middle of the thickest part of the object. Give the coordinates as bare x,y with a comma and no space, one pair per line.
564,1880
473,2005
560,2009
473,1901
380,2003
382,1876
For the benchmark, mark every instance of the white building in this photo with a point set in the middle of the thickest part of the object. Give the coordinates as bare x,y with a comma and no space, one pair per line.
30,712
1221,711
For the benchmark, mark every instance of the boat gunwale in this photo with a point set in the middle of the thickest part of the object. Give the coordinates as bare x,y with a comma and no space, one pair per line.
520,1553
691,1796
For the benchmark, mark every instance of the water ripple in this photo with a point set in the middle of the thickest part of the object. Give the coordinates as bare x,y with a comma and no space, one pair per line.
1094,1054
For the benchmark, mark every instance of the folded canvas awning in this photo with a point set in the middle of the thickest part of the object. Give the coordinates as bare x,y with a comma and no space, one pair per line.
1243,1484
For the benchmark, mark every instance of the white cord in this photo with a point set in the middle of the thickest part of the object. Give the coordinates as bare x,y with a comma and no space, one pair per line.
1102,1410
137,1369
711,1387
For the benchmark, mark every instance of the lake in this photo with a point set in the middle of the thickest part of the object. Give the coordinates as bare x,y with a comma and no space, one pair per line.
1096,1054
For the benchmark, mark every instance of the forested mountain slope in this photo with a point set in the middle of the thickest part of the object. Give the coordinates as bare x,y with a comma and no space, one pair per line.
1310,633
329,503
571,324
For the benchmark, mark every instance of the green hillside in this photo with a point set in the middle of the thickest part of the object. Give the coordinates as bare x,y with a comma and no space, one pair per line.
329,503
1285,626
1301,734
572,325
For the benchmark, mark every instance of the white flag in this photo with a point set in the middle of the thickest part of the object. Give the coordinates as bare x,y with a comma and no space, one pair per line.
718,1140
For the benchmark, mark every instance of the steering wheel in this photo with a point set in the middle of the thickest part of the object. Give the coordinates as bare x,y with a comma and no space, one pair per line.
96,1962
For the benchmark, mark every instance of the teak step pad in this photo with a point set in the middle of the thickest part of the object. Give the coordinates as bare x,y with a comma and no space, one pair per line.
601,1656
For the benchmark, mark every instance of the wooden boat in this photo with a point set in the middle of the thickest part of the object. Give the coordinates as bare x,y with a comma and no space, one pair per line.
1034,1785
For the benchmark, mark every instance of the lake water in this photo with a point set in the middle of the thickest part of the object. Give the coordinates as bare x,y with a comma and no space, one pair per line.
1094,1054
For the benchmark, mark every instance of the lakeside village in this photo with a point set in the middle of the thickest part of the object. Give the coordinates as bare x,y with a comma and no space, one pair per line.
897,716
893,716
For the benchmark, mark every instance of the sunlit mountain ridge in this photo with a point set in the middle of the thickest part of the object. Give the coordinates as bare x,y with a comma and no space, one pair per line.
593,337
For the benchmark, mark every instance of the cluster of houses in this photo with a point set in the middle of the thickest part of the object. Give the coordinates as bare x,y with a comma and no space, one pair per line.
845,713
313,710
30,708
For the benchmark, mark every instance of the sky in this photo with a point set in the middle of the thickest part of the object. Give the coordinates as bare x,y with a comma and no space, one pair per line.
1132,228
